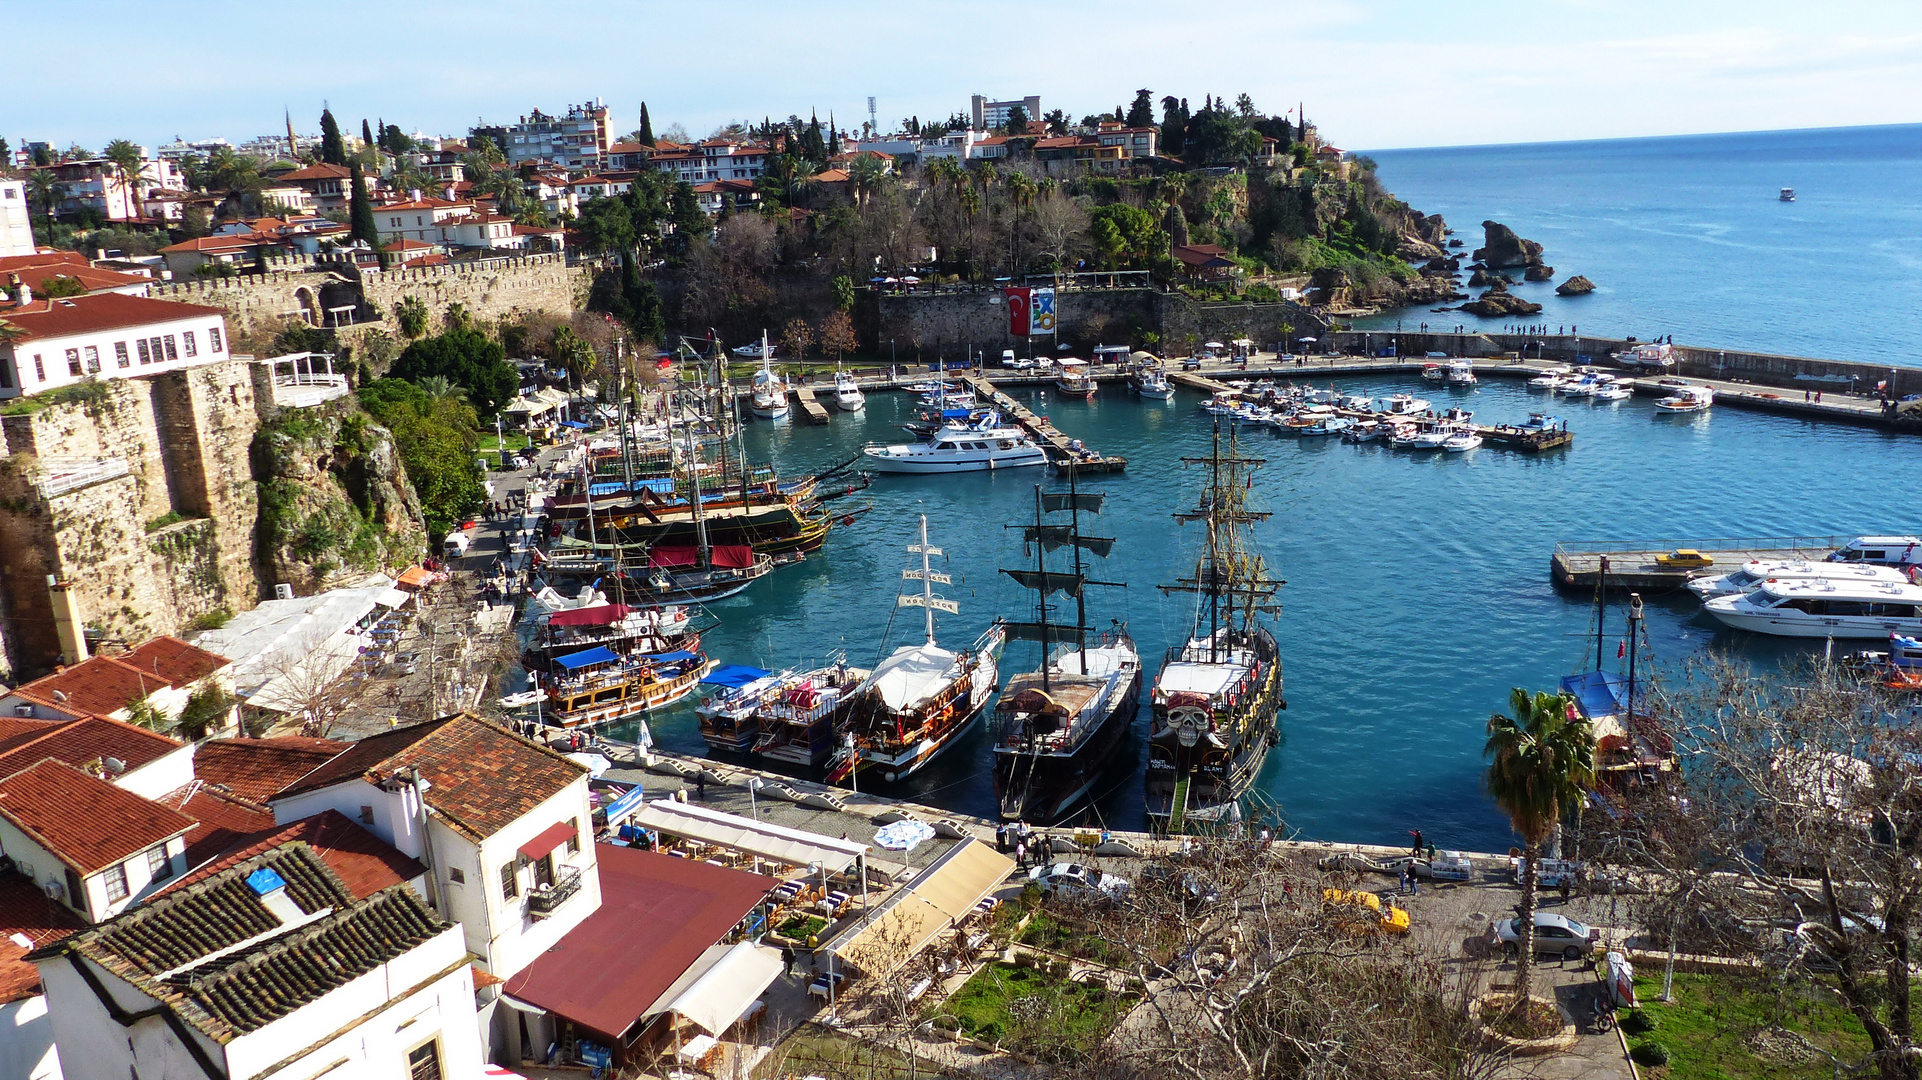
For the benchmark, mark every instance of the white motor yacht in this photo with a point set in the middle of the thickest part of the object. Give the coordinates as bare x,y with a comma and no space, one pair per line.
1687,399
1462,373
1357,402
769,399
1613,391
1460,440
1756,571
960,447
1404,405
1548,381
1153,383
1823,608
847,393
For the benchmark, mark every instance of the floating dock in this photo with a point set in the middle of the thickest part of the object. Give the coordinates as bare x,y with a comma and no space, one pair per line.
1632,565
810,408
1526,440
1045,433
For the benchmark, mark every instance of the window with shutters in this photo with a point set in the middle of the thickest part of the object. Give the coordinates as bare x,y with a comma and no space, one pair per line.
39,368
574,841
76,890
510,880
424,1062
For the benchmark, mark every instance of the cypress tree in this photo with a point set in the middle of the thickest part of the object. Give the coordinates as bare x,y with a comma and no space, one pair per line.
332,150
360,212
834,137
647,127
366,133
380,126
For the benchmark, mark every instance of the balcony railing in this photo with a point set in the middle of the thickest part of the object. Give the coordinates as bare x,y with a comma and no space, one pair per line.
544,900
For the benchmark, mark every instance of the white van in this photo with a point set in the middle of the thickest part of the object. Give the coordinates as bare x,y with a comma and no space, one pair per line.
1881,550
456,545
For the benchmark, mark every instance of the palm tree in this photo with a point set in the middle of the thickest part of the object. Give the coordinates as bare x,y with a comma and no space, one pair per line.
411,314
864,175
44,187
437,387
1021,189
129,167
1540,760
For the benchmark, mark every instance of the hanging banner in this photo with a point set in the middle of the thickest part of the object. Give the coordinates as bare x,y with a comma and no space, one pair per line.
1018,321
1041,312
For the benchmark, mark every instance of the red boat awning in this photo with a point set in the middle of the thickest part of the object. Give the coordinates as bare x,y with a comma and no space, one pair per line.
600,615
724,556
550,838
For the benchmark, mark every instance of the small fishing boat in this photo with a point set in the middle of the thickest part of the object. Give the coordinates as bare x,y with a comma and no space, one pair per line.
1614,391
1328,425
1787,195
1461,440
1404,405
1538,422
1321,397
1648,356
1223,403
1550,378
1686,399
1462,373
1356,402
1403,436
1152,383
1364,431
1431,439
1434,372
1457,416
1073,378
769,397
847,393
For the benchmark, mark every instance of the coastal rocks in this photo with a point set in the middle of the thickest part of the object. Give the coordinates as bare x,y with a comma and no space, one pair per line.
1456,244
1498,302
1484,278
1501,249
1539,273
1412,248
1427,289
1575,286
335,499
1441,266
1430,228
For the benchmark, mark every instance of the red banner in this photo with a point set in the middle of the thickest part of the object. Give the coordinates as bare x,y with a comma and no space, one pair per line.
1020,300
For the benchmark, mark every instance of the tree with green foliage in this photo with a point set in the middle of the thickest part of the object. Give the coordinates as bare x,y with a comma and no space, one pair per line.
1142,112
333,150
1126,237
1541,759
60,285
645,133
438,439
360,210
686,213
129,169
411,314
843,286
366,133
466,357
1017,120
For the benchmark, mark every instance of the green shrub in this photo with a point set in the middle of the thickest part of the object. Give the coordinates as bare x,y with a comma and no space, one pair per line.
1637,1022
210,620
1648,1053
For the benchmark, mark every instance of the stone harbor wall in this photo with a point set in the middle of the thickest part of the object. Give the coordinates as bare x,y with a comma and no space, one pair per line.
147,549
946,324
299,287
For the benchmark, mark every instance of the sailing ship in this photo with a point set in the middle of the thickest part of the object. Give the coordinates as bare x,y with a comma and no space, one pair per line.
917,702
1216,699
623,628
769,400
600,686
1056,728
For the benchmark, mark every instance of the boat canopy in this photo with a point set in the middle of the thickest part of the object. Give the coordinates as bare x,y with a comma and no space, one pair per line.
1189,677
588,658
670,657
725,556
1597,693
734,676
599,615
1070,362
911,675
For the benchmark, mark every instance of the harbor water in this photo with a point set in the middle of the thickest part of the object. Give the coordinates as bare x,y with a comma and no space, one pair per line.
1686,236
1418,590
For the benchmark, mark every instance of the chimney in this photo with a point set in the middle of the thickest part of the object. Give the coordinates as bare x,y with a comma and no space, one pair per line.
66,618
99,254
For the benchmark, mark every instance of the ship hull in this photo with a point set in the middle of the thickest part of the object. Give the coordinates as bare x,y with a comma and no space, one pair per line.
1042,788
1204,781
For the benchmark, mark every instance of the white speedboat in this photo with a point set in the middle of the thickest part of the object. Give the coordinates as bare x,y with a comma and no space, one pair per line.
1462,373
1756,571
769,399
959,447
1613,391
847,393
1404,405
1823,608
1548,380
1541,422
1357,402
1687,399
1152,383
1461,440
1787,195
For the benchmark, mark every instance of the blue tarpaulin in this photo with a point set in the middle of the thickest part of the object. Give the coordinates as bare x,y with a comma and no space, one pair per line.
574,424
955,414
588,658
670,657
1597,693
734,675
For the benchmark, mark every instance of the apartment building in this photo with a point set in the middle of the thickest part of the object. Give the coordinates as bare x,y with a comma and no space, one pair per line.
103,336
16,219
992,115
577,139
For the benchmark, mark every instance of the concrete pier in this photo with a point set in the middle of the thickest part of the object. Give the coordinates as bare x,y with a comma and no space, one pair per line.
1632,565
1045,433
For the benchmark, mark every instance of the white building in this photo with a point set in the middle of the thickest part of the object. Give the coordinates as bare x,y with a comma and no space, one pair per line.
87,843
16,219
578,139
270,967
94,183
104,336
714,160
993,115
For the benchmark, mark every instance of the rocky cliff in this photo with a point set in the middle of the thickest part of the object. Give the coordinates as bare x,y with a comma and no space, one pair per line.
335,500
1502,250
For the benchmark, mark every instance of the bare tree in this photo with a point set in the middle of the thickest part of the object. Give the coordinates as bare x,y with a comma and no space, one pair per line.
1059,228
1790,835
304,684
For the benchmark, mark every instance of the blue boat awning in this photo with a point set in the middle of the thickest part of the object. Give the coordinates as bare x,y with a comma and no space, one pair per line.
1596,693
735,675
600,654
574,424
670,657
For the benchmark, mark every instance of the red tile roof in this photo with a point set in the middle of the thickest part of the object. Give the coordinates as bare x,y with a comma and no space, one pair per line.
365,863
404,244
257,769
99,685
26,911
319,171
83,821
427,202
228,242
10,263
91,278
16,730
105,311
658,914
88,739
220,820
481,778
174,660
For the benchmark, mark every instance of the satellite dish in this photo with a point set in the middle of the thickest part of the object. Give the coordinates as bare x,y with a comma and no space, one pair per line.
60,696
115,765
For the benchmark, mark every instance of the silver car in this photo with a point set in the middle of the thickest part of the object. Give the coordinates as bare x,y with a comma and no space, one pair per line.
1555,935
1074,879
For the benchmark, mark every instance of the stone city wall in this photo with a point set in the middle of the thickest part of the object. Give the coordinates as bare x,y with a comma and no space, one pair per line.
946,323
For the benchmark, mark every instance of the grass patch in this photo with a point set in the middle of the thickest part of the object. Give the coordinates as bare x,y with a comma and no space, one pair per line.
1045,931
512,442
812,1052
801,927
1710,1031
1032,1011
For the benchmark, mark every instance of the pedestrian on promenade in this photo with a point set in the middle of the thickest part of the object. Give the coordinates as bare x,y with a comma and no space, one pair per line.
1001,839
1418,843
1401,886
1021,854
1414,881
700,786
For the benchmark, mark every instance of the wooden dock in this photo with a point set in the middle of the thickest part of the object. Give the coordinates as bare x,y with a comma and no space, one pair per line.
1060,453
1503,435
810,408
1632,565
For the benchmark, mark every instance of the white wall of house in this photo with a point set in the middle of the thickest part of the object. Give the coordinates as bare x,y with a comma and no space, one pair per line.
170,771
97,901
26,1041
16,219
39,364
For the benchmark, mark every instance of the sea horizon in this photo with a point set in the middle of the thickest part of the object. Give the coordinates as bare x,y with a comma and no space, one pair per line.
1917,124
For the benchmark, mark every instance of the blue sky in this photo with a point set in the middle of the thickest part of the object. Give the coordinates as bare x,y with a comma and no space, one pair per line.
1373,75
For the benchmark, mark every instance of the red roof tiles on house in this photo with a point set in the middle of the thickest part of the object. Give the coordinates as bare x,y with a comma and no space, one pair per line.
220,820
84,821
174,660
257,769
105,311
365,863
26,911
318,171
88,739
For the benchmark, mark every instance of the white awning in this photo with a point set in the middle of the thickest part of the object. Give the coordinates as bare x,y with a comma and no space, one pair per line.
779,843
913,673
938,898
729,988
392,598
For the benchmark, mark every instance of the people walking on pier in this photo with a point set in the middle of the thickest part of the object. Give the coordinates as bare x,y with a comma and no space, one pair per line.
1418,843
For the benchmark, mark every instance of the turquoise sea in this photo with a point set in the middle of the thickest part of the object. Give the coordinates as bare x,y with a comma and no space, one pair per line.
1685,235
1418,584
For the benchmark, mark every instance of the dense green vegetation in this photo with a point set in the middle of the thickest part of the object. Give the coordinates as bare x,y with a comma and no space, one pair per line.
438,435
1715,1028
1035,1012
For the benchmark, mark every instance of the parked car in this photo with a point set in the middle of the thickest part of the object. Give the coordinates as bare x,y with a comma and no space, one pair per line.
1684,559
1555,935
1363,912
1066,878
1187,886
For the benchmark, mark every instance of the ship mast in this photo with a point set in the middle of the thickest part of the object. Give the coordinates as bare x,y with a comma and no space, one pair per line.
1040,579
927,576
1229,573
